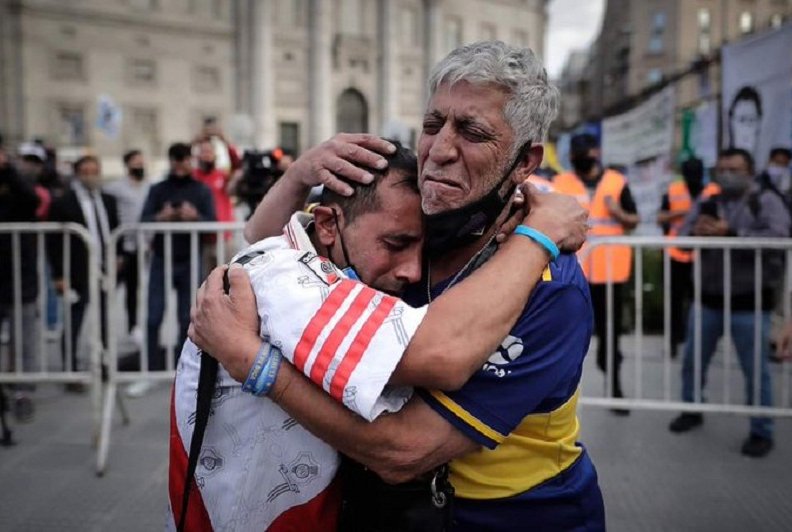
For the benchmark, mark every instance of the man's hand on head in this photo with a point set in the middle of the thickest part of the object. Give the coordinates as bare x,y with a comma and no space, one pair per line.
558,216
343,157
227,325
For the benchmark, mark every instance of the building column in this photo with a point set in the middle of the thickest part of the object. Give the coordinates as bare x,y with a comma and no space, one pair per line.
387,78
433,38
12,100
320,118
262,103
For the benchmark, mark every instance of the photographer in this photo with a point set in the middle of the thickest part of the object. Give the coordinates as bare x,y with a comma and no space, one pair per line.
261,169
742,209
178,198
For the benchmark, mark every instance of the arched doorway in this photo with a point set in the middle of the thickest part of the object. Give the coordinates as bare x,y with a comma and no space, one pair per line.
351,112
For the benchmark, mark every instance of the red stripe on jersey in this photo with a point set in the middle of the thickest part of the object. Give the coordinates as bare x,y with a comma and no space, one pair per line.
319,321
320,513
340,331
197,519
359,346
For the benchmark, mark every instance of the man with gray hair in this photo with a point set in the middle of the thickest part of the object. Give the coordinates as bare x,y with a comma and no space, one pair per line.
509,434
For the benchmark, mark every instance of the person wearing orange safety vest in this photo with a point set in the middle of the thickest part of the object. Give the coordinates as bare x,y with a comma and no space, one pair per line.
676,204
612,212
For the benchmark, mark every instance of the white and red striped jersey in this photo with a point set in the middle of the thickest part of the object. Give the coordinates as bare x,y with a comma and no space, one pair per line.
258,468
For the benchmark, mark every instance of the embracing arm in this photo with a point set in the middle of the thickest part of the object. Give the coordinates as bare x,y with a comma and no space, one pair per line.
398,447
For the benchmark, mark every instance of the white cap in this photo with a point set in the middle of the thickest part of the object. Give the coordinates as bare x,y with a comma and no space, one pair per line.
32,149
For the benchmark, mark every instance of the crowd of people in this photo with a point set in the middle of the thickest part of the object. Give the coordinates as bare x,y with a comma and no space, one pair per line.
199,185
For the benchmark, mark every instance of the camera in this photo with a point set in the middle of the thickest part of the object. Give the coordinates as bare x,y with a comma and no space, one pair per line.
260,171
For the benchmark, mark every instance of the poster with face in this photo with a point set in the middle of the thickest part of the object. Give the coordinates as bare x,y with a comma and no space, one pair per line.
757,93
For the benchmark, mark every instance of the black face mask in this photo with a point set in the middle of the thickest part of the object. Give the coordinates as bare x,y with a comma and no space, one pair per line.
207,166
350,269
137,173
583,164
459,227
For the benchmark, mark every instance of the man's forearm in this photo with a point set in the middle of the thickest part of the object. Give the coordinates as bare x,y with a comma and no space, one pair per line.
465,325
284,198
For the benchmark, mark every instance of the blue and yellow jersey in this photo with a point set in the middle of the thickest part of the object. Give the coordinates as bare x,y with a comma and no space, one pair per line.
521,407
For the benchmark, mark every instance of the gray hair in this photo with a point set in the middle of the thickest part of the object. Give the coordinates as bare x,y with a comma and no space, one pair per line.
533,104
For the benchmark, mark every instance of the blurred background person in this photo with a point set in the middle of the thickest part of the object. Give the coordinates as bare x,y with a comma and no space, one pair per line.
84,204
130,193
742,209
217,180
178,198
18,203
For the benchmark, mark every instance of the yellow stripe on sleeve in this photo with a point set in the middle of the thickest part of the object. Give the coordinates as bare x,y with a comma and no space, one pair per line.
467,417
547,275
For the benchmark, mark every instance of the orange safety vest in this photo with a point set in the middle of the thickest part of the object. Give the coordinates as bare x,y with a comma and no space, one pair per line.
679,199
596,266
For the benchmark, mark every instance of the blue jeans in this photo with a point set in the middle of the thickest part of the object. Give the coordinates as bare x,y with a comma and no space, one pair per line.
156,306
742,331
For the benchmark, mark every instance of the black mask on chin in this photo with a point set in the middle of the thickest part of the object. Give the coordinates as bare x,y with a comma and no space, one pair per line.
137,173
583,164
455,228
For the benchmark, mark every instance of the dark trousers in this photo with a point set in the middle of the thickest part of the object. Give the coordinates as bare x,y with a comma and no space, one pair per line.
72,335
681,294
129,276
599,302
156,306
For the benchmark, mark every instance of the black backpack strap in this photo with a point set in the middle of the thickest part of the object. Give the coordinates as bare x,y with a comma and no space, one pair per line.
207,381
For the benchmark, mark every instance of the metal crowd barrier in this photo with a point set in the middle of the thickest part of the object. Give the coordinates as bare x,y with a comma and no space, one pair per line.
45,370
720,398
143,234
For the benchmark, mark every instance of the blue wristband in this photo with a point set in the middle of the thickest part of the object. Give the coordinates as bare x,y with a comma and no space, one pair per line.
262,357
270,372
540,238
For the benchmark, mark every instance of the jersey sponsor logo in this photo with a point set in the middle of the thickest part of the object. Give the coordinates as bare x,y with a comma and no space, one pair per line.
323,269
510,350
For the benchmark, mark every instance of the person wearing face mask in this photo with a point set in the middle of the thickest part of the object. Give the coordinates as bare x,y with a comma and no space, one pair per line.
84,204
742,209
604,193
676,204
130,192
778,175
177,198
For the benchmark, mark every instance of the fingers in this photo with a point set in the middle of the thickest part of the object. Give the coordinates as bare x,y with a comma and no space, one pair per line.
239,282
344,169
368,141
327,179
214,282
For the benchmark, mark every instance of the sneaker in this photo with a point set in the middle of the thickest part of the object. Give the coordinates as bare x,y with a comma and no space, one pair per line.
136,337
757,446
23,409
685,422
139,389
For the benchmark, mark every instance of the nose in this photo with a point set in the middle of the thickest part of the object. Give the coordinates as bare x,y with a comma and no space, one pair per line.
409,270
444,149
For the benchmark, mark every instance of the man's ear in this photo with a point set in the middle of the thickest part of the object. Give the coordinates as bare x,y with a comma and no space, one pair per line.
325,224
531,160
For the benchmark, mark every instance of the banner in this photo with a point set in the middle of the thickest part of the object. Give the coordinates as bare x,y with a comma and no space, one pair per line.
642,133
700,133
757,93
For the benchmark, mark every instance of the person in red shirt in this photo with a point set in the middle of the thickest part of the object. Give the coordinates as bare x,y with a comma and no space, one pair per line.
216,179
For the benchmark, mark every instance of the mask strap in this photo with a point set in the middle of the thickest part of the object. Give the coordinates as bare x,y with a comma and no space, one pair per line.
341,240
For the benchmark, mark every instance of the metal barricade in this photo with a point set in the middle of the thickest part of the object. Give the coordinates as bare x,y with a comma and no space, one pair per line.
648,394
43,369
143,234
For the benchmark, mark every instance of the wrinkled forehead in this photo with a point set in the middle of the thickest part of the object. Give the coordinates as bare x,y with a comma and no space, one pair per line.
469,98
398,212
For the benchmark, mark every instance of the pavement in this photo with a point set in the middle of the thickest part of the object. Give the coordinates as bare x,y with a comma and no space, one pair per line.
652,480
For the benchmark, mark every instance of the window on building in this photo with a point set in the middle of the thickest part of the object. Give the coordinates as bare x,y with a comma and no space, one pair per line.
776,20
746,22
289,136
351,17
520,38
654,76
68,66
658,32
453,33
488,32
142,71
410,28
70,124
142,129
704,31
206,79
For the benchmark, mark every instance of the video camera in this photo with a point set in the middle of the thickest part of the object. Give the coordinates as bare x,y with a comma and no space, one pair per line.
260,171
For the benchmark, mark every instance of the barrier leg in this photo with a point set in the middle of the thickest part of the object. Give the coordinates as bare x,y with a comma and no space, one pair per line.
122,409
107,421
